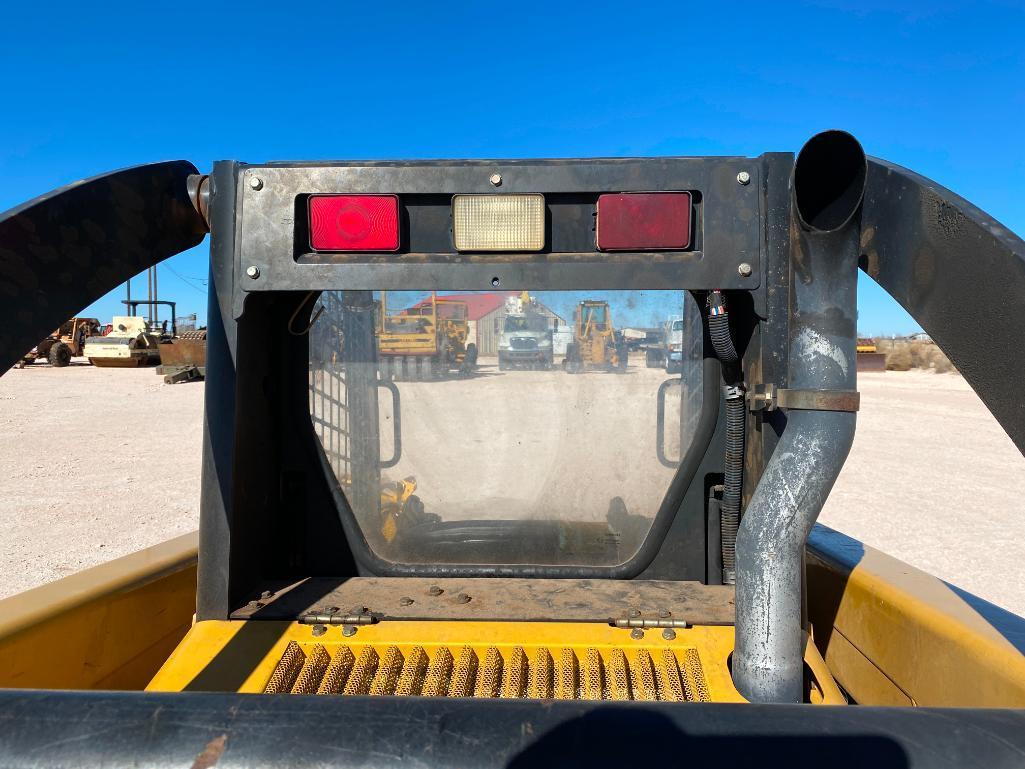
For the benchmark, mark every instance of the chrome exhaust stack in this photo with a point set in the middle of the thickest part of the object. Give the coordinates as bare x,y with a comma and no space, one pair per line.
827,188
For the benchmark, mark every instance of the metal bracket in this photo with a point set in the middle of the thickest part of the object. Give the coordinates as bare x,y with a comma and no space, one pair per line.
768,397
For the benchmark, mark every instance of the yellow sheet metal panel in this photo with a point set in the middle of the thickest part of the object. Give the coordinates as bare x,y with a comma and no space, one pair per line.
866,682
108,627
937,645
540,660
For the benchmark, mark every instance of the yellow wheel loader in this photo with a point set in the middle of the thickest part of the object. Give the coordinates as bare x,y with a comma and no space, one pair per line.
593,574
596,344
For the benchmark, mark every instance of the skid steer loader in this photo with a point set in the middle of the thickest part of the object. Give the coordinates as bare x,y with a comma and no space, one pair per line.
600,571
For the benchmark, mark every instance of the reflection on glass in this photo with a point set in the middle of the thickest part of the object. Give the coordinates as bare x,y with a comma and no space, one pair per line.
511,428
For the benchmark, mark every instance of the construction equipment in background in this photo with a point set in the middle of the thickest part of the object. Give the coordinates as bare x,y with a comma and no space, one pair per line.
183,358
526,339
426,341
63,344
129,345
595,345
868,356
134,340
153,323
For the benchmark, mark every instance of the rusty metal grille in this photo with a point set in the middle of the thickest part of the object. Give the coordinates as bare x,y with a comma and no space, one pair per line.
540,673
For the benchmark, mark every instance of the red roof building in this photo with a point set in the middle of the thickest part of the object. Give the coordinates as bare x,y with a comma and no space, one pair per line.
478,305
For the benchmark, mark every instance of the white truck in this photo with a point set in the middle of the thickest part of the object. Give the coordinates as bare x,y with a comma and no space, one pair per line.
664,348
673,336
526,339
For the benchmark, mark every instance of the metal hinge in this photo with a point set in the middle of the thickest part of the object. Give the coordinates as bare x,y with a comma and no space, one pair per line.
768,397
363,618
643,622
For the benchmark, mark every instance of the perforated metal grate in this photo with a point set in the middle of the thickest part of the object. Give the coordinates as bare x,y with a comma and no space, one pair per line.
540,673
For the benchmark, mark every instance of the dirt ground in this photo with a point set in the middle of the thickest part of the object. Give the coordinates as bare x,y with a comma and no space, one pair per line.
933,479
97,463
94,463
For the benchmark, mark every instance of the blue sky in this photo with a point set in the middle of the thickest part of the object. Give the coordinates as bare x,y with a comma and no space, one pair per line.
937,87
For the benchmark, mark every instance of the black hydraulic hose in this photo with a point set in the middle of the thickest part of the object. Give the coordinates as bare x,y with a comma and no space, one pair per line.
719,330
736,418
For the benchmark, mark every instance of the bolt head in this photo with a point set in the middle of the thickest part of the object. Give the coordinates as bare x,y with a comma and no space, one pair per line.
665,613
348,630
743,178
255,183
744,269
319,630
405,602
253,271
637,634
496,180
669,634
463,598
635,612
435,590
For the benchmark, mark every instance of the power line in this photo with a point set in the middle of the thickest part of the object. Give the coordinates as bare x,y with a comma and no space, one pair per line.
188,281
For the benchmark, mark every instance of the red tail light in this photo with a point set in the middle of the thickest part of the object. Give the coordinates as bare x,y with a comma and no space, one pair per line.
354,222
638,221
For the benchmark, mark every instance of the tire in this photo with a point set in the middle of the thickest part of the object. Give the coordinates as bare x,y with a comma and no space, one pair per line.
59,355
469,364
439,369
623,353
652,358
573,363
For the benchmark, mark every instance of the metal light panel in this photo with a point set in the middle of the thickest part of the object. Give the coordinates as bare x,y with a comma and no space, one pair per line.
498,222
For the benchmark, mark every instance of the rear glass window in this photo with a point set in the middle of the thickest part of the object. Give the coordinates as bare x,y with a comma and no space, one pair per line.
473,446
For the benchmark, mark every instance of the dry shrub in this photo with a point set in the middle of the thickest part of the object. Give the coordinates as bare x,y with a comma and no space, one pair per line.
903,355
939,362
919,355
898,357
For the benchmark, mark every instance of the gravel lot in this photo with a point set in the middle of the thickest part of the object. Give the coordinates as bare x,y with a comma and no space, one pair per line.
96,463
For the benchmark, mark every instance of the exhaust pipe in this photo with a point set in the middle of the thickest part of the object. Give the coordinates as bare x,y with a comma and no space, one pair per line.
827,188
